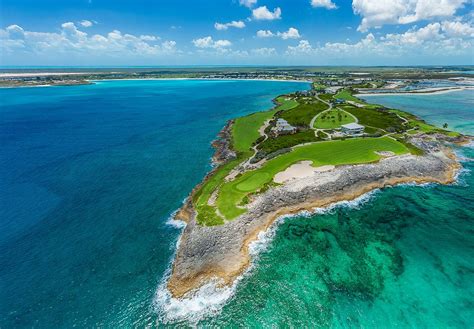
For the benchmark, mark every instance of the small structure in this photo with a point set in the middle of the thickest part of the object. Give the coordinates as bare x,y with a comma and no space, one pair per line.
340,101
352,129
283,127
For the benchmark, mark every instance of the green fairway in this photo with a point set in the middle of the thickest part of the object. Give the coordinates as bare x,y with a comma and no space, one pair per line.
245,129
333,119
351,151
244,133
254,181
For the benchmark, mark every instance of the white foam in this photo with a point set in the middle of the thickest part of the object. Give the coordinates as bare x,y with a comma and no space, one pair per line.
209,299
176,223
206,301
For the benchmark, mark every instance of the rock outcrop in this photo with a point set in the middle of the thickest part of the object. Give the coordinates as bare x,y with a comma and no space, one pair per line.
221,252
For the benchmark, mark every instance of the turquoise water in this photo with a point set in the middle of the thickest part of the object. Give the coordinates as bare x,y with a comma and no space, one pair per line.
90,174
398,258
453,108
88,178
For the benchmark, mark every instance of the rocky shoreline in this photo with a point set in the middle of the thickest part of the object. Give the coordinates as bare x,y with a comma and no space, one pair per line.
222,252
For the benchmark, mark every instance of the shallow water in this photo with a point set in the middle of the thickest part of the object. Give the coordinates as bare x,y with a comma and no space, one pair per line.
403,257
89,176
454,108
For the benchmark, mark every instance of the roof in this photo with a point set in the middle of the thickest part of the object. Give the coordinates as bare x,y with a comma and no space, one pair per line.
289,128
352,126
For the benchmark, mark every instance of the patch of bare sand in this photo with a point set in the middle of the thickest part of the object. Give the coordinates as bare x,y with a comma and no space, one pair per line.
298,170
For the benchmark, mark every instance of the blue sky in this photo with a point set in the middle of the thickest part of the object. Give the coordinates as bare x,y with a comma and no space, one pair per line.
237,32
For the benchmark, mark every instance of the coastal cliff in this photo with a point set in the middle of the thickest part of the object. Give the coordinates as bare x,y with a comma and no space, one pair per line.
221,253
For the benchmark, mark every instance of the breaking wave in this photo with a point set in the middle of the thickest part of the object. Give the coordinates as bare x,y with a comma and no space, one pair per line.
208,300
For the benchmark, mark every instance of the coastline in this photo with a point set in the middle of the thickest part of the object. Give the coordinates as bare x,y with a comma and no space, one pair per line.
427,91
202,79
94,81
237,259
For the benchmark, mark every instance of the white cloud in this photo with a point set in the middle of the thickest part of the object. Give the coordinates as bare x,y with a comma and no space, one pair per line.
169,46
15,32
149,38
328,4
225,26
265,34
303,47
247,3
262,13
208,42
70,40
86,23
445,39
264,51
457,29
376,13
292,33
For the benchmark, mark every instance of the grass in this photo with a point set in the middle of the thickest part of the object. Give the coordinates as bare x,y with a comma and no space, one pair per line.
415,122
351,151
245,129
347,95
301,115
376,118
244,133
325,97
412,148
281,142
333,119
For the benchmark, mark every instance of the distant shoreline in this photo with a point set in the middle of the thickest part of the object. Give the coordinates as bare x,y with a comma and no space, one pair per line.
94,81
427,91
204,79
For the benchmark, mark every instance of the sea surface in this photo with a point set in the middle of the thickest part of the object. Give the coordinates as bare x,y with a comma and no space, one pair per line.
454,108
90,175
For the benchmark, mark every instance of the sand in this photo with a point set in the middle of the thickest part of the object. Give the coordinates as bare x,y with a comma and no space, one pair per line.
298,170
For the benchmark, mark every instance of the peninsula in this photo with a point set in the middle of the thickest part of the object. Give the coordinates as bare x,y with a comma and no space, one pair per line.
314,148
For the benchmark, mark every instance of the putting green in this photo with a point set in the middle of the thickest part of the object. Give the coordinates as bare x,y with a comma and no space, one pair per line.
253,182
351,151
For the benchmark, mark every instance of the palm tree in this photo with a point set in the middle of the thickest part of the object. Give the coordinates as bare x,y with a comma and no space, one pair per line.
445,125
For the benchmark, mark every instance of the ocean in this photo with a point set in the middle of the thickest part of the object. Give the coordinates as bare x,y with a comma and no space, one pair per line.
91,174
454,108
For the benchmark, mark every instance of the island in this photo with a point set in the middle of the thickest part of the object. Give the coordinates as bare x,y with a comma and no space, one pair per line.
312,149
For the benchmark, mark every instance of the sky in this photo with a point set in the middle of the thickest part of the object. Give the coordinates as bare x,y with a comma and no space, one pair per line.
236,32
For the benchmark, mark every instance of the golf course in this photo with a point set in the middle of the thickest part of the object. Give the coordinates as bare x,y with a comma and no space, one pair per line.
261,153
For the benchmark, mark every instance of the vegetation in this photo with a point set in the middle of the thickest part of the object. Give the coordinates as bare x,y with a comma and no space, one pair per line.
284,150
351,151
245,129
377,118
422,126
347,95
326,97
302,115
333,119
285,141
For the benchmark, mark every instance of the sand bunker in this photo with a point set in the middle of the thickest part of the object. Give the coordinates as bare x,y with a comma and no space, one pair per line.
299,170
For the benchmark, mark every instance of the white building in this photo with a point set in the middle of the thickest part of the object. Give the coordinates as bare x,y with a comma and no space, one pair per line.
283,127
352,129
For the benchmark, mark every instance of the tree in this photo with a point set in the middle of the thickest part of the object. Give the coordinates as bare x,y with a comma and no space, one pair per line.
445,125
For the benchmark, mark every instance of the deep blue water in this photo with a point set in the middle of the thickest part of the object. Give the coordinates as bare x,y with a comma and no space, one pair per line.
88,178
90,174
